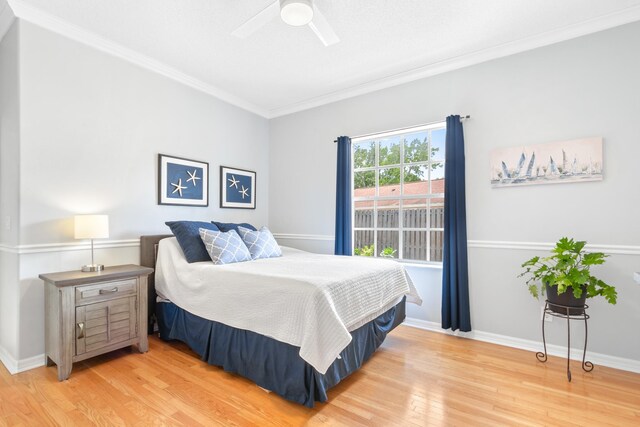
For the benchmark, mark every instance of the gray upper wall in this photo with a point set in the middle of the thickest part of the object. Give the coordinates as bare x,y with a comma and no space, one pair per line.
580,88
9,136
92,127
9,187
584,87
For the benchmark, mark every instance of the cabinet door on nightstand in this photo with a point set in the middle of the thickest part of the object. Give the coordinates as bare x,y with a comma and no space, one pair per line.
102,324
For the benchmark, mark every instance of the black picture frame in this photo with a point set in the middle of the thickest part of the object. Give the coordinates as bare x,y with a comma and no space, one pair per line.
170,169
236,185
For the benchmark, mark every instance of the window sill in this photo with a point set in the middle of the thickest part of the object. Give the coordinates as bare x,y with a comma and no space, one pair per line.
418,264
437,266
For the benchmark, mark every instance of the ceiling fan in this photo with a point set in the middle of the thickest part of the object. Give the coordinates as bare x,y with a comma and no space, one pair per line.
293,12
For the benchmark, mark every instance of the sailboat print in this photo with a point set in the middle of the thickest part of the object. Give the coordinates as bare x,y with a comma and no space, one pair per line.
505,171
578,160
520,164
553,169
531,163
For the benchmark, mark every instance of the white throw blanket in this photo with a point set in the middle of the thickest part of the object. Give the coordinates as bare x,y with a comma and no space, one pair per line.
307,300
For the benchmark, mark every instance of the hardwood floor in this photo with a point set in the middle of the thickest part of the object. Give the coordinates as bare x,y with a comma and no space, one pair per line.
415,378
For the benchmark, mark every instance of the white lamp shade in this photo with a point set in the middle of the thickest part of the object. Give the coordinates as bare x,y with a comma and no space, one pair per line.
296,12
91,226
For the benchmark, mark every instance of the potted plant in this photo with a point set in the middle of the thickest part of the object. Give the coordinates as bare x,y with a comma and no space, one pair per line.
566,276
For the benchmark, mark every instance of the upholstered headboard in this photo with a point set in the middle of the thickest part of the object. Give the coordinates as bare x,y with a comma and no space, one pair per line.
148,255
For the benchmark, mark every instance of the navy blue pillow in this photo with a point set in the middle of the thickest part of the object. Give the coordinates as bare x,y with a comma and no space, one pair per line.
188,235
227,226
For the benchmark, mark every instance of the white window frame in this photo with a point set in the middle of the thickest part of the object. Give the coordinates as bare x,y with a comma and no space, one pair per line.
376,197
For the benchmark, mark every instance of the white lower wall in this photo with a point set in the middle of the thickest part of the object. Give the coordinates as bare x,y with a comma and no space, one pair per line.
494,314
8,307
28,326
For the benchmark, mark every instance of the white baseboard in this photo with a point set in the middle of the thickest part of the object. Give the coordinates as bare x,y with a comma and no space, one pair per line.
534,346
31,363
8,361
16,366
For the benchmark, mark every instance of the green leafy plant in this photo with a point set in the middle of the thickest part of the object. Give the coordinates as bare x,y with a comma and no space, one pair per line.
364,251
568,268
388,252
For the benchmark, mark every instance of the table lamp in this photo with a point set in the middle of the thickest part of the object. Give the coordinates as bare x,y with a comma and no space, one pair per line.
91,227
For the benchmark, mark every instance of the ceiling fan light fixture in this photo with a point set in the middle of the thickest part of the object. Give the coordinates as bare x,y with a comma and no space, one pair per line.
296,12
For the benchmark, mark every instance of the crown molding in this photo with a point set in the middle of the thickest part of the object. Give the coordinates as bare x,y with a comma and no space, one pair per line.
55,24
6,18
621,17
73,32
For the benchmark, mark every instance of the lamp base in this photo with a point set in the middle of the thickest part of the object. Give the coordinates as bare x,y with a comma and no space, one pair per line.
93,267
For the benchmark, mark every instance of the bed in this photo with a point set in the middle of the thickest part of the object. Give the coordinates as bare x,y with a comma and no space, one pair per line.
297,352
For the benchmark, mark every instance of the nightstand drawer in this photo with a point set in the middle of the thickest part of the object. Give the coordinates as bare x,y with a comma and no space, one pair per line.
106,291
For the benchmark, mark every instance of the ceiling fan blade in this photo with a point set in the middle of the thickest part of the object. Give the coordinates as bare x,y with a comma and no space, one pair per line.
255,23
321,27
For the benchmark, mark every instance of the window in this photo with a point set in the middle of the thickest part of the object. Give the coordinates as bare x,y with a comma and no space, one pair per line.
398,194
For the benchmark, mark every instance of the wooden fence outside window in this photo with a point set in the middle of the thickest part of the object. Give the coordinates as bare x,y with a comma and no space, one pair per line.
415,241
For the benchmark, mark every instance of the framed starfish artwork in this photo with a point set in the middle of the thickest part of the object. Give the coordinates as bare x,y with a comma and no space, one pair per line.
237,188
182,182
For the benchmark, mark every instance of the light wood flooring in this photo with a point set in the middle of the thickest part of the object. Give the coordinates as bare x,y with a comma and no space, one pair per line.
415,378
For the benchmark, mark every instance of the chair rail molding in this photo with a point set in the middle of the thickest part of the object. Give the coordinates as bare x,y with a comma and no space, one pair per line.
480,244
544,246
493,244
68,246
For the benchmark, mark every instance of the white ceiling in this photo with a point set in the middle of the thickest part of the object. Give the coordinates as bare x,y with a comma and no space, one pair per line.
281,69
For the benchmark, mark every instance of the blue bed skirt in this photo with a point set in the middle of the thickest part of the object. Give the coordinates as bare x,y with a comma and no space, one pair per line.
272,364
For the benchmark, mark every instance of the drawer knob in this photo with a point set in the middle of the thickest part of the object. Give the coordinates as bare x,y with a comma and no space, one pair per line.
108,291
81,327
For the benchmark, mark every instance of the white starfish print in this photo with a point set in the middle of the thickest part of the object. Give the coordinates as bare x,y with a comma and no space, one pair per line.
193,177
234,182
244,192
178,187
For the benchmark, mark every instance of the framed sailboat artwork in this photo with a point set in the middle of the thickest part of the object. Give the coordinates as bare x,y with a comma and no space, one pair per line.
578,160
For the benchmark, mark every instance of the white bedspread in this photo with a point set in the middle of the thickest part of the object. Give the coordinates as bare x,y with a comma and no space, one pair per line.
307,300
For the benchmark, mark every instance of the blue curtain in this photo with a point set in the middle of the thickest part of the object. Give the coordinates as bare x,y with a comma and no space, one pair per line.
343,197
455,275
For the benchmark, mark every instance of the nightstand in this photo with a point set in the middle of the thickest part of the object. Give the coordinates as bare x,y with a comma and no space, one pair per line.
90,313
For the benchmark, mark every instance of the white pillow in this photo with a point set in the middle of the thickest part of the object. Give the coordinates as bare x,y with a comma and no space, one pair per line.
261,243
224,247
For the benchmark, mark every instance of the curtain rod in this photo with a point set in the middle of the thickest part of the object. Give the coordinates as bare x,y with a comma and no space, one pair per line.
462,119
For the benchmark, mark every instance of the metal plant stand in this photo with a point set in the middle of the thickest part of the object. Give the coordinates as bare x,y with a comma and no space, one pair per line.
570,315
